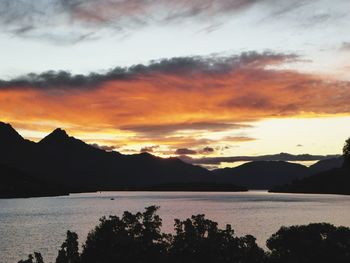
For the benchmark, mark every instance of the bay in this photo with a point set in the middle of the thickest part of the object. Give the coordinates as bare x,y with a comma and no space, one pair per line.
40,224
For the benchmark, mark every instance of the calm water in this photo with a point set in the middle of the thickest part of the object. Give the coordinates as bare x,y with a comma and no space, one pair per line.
39,224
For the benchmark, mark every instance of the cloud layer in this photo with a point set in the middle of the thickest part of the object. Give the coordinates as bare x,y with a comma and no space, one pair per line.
179,102
179,66
77,20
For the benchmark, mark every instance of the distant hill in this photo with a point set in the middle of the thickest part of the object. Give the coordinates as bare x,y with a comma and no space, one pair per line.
14,184
59,159
62,160
326,164
262,174
335,181
195,187
269,174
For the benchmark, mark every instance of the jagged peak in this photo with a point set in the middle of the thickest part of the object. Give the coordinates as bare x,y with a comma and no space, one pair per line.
57,135
4,125
59,132
7,130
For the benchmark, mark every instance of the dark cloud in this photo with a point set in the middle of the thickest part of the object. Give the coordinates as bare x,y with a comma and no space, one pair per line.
149,149
52,80
178,66
185,151
207,150
107,148
275,157
345,46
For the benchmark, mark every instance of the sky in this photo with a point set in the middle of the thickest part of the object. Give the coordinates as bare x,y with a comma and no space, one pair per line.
190,78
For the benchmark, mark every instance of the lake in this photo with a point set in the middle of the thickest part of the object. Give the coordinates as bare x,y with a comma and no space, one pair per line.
40,224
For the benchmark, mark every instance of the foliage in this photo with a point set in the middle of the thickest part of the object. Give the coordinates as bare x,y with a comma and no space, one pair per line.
137,238
132,238
200,240
311,243
346,153
69,252
36,259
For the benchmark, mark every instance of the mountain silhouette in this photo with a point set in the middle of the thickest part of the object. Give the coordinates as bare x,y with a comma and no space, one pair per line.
15,183
59,159
327,164
335,181
8,135
11,142
262,174
57,136
195,187
66,164
269,174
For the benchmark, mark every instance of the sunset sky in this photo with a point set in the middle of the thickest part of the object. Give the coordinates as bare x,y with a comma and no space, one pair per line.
200,78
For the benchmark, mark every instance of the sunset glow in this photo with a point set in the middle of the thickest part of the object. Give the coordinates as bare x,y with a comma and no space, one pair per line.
231,95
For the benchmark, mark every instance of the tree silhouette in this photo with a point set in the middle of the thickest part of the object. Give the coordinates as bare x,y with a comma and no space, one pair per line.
132,238
346,153
308,244
137,238
200,240
36,259
69,252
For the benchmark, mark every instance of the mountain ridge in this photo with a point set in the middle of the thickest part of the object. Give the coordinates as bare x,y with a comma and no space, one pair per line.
334,181
61,159
267,174
68,161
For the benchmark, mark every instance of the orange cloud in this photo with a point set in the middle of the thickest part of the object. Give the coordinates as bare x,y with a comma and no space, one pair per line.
171,98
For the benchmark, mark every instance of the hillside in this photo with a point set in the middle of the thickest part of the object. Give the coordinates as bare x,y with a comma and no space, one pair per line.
15,184
195,187
335,181
262,174
59,159
327,164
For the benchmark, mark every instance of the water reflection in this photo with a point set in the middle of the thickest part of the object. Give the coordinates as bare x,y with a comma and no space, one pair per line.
33,224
